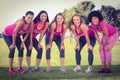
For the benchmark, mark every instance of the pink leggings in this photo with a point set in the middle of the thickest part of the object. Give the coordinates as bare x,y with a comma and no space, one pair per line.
106,56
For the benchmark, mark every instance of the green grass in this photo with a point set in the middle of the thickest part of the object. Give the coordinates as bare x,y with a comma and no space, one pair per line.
55,74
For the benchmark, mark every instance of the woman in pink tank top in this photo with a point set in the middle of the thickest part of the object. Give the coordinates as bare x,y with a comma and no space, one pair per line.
56,34
12,35
109,38
41,23
83,35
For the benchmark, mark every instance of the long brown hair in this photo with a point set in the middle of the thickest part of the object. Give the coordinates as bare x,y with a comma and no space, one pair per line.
60,14
71,21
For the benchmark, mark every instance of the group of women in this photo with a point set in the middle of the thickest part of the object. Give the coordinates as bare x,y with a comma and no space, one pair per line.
24,31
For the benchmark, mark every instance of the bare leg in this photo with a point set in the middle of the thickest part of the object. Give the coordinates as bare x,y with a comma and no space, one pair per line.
38,63
28,61
10,63
20,59
48,64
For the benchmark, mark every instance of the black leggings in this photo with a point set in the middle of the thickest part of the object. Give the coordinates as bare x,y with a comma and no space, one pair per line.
8,40
57,40
35,45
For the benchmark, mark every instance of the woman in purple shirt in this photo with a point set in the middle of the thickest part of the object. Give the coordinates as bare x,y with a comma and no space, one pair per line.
109,38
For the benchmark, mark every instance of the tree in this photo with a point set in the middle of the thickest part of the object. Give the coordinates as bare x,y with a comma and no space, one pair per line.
111,15
116,18
82,8
68,13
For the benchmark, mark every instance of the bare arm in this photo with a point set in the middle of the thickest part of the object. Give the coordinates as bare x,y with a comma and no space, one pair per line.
97,37
19,24
63,35
85,31
29,33
76,37
42,34
52,27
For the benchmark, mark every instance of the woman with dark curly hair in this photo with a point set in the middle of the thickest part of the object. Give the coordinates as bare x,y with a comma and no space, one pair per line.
109,38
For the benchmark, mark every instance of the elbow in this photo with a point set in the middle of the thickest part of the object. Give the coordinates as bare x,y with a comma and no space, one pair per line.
14,33
51,37
106,35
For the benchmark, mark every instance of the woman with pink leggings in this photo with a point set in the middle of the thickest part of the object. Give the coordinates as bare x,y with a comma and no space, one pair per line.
108,40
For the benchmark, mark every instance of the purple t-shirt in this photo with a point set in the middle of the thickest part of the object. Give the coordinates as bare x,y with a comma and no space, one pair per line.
111,29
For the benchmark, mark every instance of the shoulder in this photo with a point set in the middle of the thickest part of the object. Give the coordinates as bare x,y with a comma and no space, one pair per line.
53,25
64,25
93,26
32,23
72,27
47,23
103,23
83,25
19,22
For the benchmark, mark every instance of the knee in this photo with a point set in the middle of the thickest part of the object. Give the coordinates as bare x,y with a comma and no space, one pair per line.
39,55
48,55
11,54
40,50
62,54
29,53
21,52
90,51
48,51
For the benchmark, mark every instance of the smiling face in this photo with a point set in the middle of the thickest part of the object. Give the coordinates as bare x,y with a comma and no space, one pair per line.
59,19
95,20
29,18
43,17
76,20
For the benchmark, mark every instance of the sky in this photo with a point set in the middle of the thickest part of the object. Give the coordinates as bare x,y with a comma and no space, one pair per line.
11,10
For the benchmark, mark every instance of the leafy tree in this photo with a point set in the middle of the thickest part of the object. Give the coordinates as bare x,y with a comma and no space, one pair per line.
82,8
68,13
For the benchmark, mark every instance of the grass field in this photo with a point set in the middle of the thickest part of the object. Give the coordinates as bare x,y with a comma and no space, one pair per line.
55,73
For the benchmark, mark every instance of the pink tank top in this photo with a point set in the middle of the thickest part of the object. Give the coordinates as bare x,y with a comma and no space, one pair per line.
37,30
10,29
111,29
58,33
55,31
78,33
90,32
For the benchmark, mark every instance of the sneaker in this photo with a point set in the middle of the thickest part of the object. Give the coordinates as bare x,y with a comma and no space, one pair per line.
29,70
38,69
107,70
62,69
77,69
102,70
47,70
88,70
12,71
21,70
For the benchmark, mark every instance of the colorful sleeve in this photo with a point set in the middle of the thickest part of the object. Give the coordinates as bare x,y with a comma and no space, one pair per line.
102,24
93,26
